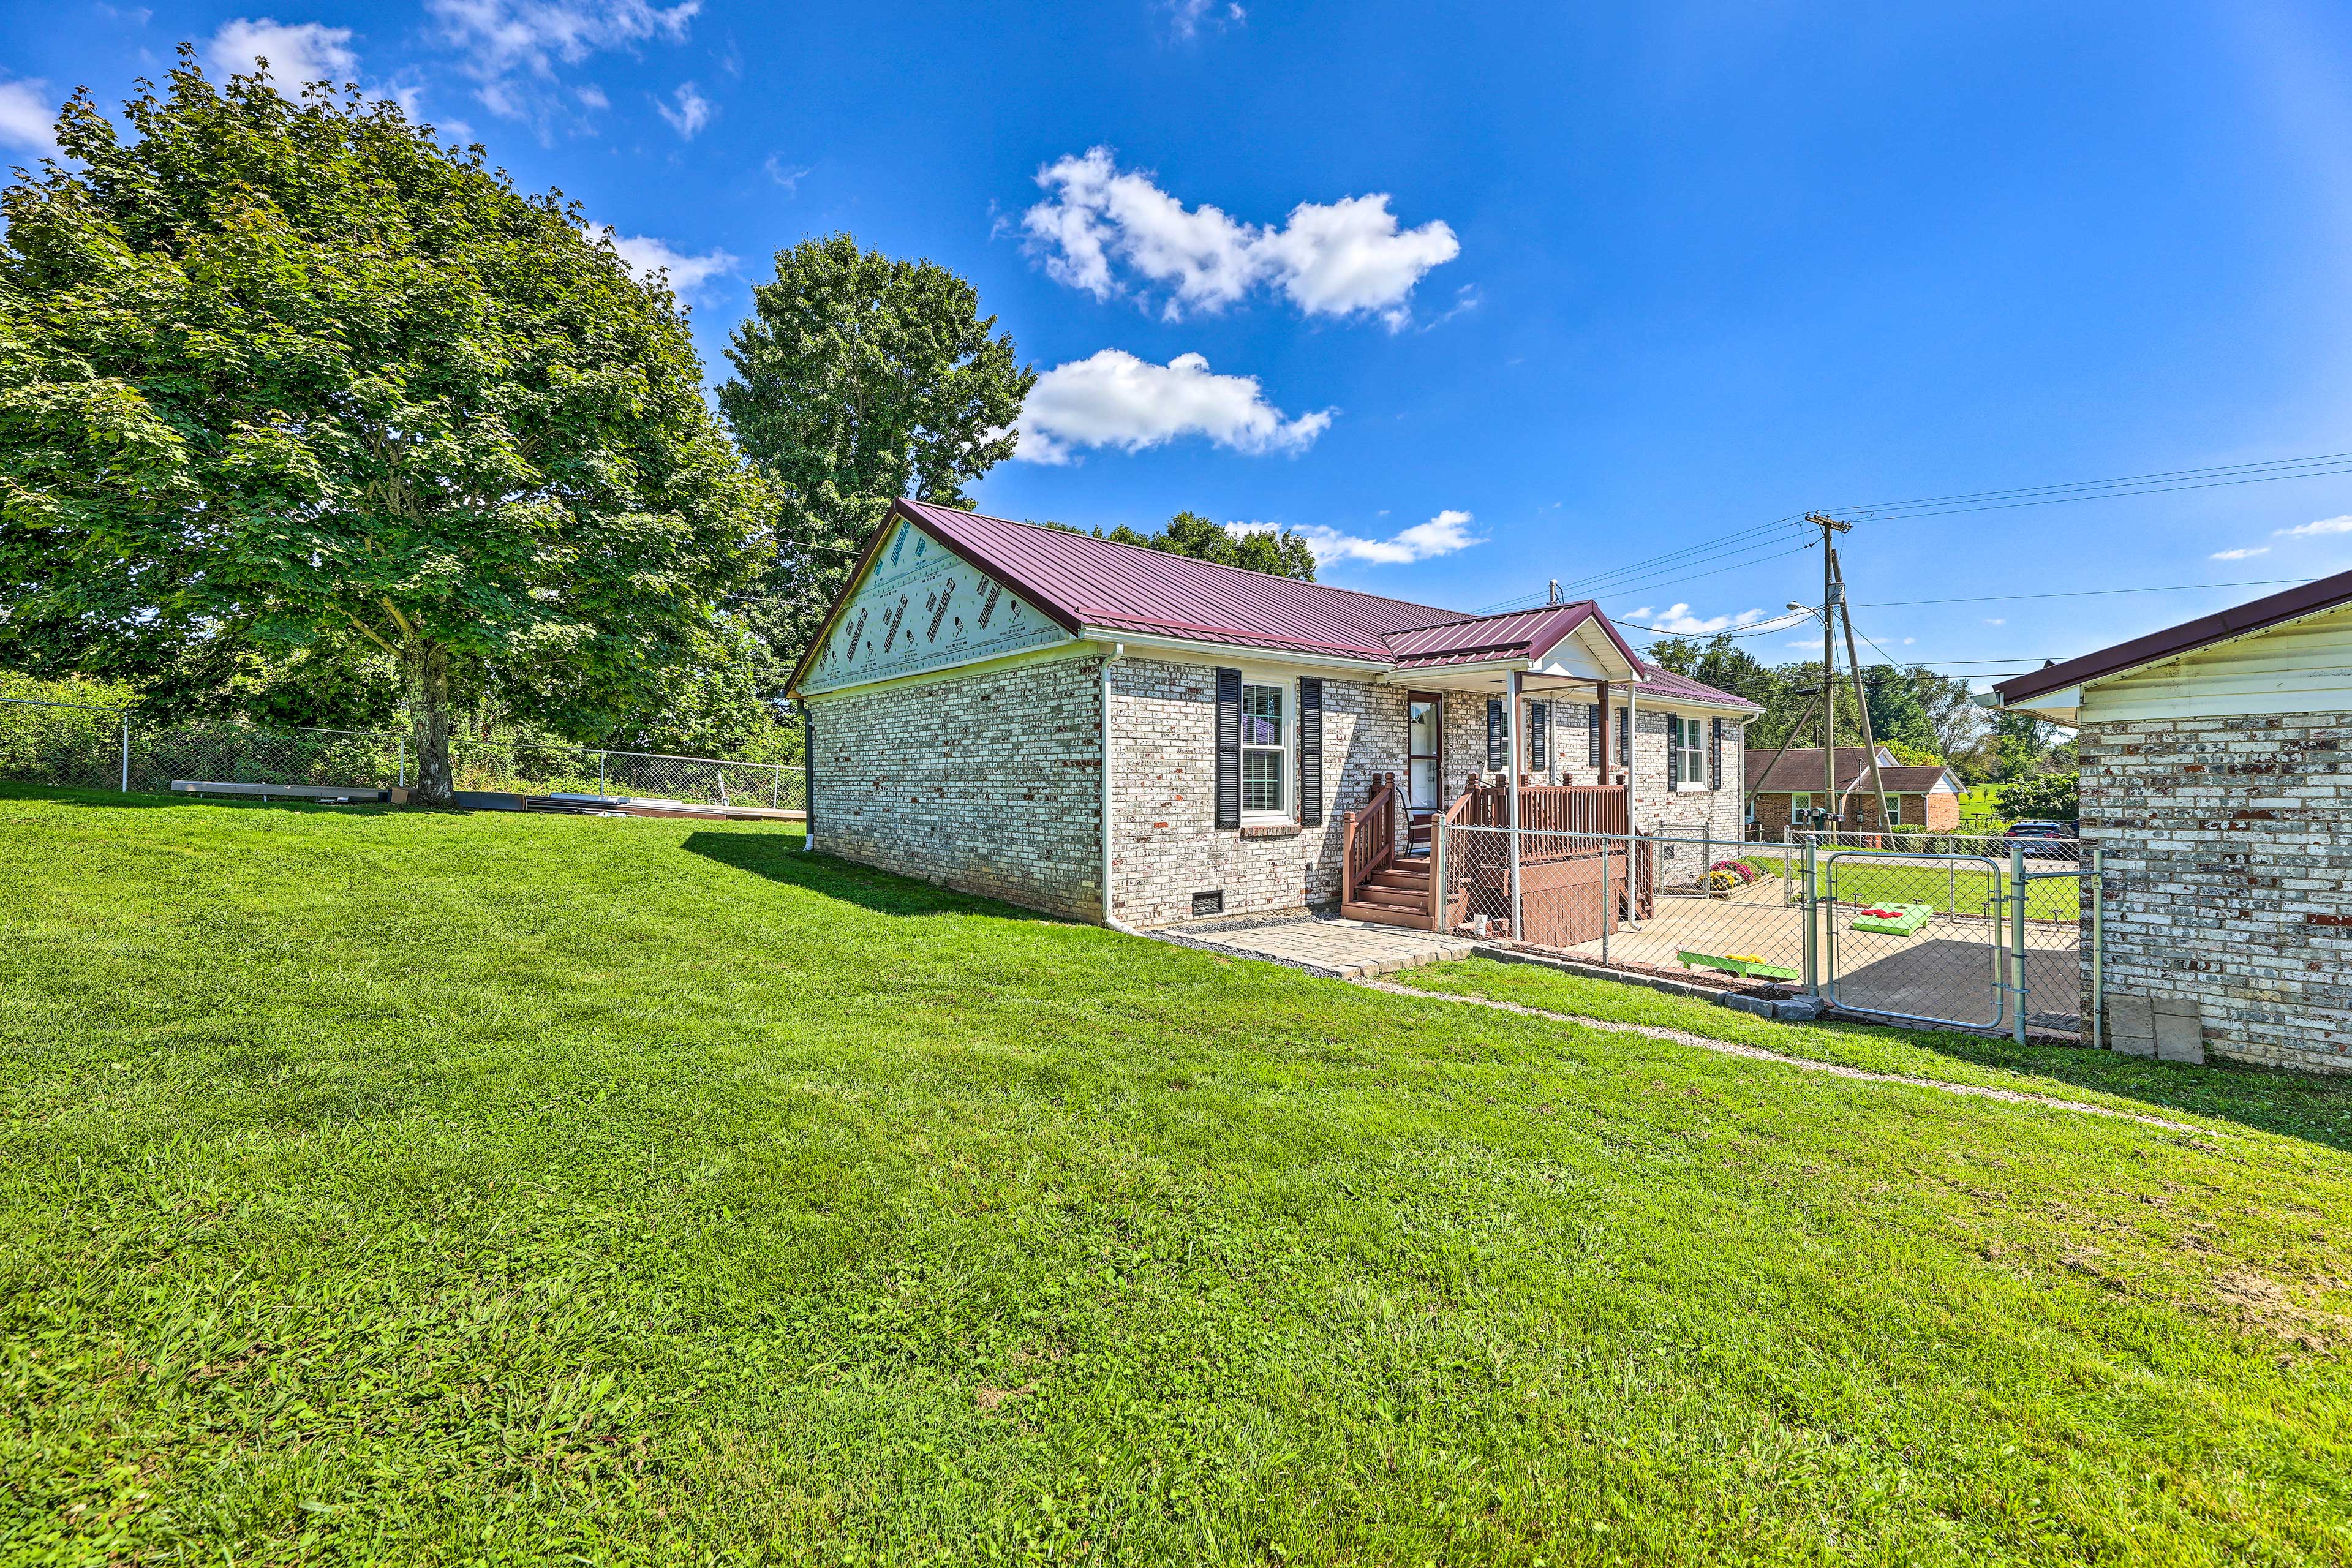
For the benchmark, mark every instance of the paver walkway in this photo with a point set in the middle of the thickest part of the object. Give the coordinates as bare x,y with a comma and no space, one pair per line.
1343,949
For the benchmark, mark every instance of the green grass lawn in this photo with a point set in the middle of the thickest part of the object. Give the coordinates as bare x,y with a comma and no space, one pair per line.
424,1188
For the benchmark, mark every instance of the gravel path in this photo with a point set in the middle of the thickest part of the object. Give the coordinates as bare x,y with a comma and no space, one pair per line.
1731,1049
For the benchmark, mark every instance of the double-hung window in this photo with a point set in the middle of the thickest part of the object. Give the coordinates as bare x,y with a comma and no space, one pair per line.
1687,751
1265,752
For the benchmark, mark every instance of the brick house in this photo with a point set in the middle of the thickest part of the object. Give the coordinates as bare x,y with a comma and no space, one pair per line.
2214,777
1927,797
1040,716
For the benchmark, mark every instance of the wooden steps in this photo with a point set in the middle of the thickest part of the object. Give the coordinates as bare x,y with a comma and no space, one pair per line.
1395,894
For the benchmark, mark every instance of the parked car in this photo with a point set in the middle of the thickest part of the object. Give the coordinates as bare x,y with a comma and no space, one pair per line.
2042,839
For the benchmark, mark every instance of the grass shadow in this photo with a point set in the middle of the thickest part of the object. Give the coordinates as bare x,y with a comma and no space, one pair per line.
779,858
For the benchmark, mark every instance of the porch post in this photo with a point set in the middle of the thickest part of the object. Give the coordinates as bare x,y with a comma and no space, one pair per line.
1511,784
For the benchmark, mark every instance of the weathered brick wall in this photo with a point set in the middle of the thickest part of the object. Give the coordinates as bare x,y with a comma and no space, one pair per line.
2229,854
1165,844
988,783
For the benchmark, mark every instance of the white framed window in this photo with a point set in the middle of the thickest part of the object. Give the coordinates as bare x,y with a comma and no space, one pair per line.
1894,811
1686,751
1265,750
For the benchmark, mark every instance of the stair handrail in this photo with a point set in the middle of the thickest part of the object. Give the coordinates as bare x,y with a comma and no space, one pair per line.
1369,834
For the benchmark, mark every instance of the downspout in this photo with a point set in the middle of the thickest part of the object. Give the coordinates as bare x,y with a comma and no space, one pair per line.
808,775
1118,650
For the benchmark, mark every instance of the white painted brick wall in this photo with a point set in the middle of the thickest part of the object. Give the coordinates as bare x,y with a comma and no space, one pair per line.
2229,854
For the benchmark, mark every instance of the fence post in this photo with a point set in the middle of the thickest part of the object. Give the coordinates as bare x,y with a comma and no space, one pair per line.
2096,1033
599,772
1809,896
2016,936
775,789
1608,896
126,754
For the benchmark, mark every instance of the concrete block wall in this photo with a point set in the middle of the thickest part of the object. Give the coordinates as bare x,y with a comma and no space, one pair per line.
2229,856
988,783
1165,844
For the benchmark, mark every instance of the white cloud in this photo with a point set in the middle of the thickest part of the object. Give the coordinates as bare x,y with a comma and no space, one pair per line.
2240,554
1444,534
1339,259
692,113
1678,620
1995,621
1114,399
1187,18
298,52
591,96
645,256
787,175
2310,529
28,117
511,47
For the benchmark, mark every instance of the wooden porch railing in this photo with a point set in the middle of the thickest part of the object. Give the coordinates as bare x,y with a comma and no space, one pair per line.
1547,808
1370,834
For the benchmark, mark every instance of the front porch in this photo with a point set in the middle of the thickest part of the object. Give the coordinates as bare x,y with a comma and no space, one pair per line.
1576,869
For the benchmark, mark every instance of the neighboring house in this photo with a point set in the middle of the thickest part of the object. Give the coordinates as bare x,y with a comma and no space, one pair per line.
2214,777
976,676
1789,790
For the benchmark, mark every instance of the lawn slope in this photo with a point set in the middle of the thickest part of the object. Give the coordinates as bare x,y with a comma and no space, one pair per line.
417,1187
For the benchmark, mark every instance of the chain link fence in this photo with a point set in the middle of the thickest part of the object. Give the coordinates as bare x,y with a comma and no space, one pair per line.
1984,933
71,746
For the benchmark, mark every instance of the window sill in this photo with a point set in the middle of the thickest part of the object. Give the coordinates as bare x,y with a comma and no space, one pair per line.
1271,830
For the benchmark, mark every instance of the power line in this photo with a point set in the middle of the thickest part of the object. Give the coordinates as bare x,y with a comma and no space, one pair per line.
2084,592
1594,584
2321,467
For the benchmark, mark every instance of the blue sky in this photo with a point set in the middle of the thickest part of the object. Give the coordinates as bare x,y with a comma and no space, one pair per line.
1509,294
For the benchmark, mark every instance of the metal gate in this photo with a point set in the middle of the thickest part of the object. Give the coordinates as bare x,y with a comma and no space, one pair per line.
1987,935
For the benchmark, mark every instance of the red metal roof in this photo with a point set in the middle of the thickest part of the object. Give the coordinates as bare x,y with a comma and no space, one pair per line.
1660,681
1082,580
1124,587
2187,637
1519,634
1801,769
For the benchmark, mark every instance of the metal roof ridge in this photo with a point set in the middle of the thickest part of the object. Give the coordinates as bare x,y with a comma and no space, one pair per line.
1164,555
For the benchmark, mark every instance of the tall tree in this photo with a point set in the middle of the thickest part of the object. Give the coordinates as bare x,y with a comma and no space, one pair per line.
1897,715
298,374
1278,553
860,379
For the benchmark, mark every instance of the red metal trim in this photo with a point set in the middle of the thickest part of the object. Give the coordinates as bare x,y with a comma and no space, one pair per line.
2293,604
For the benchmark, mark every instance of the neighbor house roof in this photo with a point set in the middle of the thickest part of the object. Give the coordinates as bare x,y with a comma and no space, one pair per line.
1082,583
1799,769
2293,604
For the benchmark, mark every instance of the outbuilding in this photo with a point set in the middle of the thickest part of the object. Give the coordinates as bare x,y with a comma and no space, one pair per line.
2214,779
1115,733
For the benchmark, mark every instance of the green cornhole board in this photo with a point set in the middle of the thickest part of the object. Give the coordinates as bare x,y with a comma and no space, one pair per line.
1913,917
1738,967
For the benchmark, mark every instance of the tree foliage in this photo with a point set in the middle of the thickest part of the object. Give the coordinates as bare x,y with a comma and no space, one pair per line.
1911,707
291,377
860,379
1279,553
2052,796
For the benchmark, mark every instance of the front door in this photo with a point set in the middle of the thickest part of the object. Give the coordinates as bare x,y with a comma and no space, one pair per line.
1425,753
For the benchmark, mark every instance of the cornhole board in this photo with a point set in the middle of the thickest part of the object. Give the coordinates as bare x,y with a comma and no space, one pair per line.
1914,916
1747,967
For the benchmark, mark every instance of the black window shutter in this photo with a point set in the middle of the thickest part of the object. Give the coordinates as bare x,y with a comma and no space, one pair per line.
1539,737
1625,737
1498,739
1593,731
1229,748
1310,752
1714,753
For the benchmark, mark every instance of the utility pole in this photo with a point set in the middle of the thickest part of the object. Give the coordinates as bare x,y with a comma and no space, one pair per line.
1831,527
